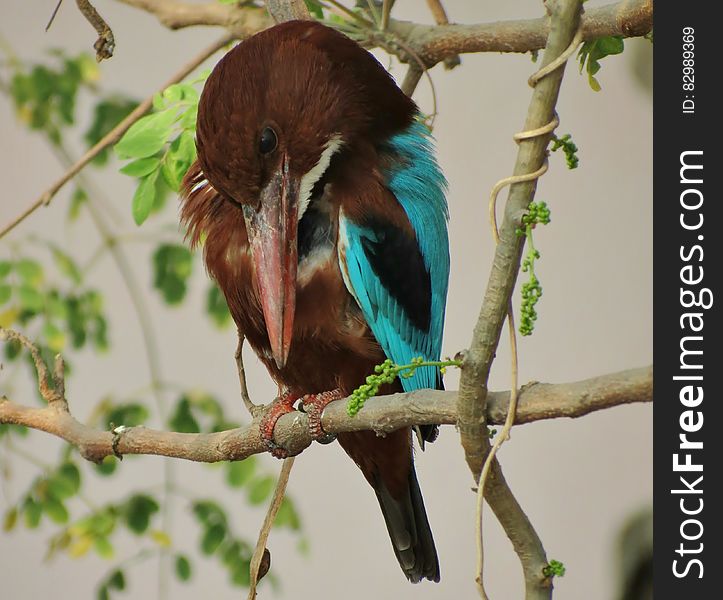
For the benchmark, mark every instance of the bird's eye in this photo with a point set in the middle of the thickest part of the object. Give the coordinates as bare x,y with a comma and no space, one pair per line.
268,141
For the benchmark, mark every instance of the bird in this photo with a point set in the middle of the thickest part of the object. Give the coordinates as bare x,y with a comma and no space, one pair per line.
322,213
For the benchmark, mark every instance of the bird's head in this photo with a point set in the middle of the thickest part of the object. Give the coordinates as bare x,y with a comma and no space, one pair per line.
273,114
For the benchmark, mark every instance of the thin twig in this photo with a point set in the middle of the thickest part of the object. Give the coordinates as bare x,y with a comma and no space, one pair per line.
386,10
46,387
55,13
250,406
114,135
411,79
260,551
343,10
105,44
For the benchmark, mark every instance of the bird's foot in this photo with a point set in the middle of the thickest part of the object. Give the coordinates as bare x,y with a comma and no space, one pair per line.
281,405
314,405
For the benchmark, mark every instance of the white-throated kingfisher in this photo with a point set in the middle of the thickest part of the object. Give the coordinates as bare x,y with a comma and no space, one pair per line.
323,217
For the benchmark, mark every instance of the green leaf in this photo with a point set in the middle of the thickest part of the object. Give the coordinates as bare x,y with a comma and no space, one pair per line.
216,307
314,8
183,567
103,593
212,538
117,580
182,420
107,466
147,136
260,489
138,512
209,512
55,509
54,337
11,519
592,52
30,299
239,472
29,271
5,268
66,265
240,575
106,115
71,474
172,266
144,198
287,515
13,348
32,511
77,200
103,547
130,414
172,173
173,93
188,118
141,166
607,46
5,293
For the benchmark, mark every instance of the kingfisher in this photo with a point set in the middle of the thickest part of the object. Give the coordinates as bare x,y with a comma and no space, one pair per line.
321,210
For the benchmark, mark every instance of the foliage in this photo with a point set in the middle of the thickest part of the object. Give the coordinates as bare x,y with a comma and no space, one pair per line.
53,296
554,569
162,147
593,51
45,96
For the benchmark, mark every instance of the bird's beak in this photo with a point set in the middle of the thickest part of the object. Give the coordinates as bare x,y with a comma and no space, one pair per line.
272,229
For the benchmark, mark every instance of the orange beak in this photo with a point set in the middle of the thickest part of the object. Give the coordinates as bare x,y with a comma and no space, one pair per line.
272,228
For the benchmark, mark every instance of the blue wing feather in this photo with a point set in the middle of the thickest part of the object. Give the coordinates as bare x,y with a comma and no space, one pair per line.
419,186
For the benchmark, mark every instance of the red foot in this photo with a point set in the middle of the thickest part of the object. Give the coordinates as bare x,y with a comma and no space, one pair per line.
314,405
280,406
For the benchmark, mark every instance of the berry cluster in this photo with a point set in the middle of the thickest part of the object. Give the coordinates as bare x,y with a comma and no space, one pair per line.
386,373
537,213
568,147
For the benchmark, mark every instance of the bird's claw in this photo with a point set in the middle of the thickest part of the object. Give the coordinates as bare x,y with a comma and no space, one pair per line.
314,405
280,406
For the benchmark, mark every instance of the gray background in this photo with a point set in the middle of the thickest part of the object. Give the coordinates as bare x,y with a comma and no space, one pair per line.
578,481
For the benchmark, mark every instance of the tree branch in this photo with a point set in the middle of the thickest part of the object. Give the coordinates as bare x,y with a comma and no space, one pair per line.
538,401
240,21
105,44
432,43
473,397
629,18
287,10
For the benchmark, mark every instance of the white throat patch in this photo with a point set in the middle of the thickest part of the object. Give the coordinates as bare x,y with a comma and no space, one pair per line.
309,180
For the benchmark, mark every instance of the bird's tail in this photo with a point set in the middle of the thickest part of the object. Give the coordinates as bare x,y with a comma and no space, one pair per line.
409,530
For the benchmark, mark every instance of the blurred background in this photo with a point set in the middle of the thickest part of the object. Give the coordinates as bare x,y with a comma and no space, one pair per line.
579,481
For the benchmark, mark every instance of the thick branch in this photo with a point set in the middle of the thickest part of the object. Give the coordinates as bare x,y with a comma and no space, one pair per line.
240,21
538,401
287,10
473,397
431,43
